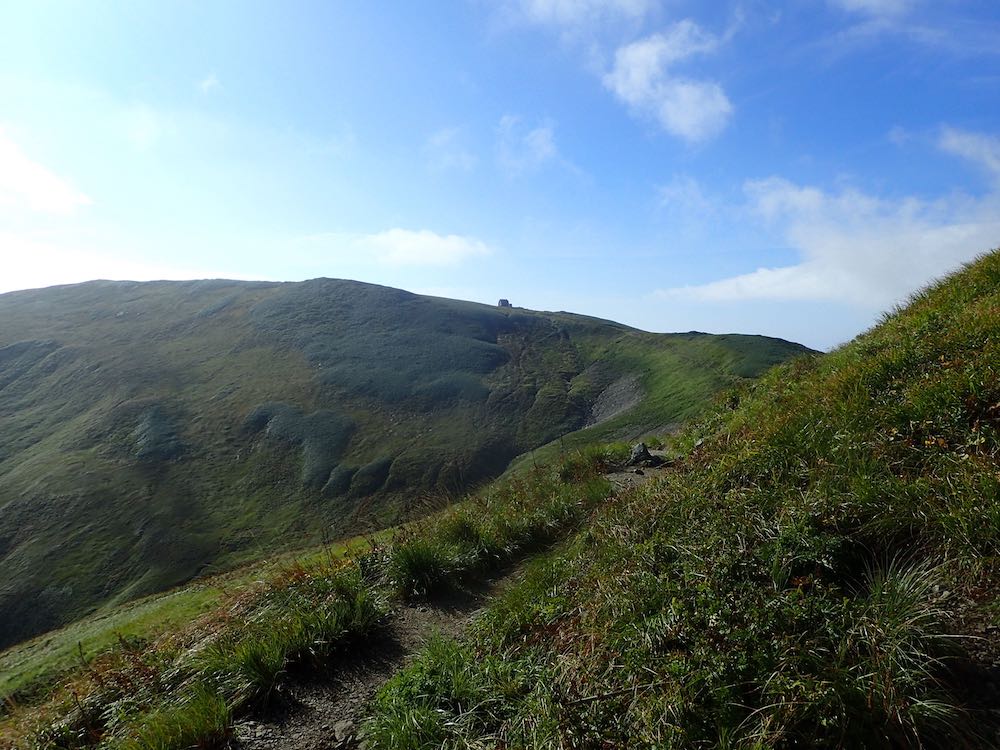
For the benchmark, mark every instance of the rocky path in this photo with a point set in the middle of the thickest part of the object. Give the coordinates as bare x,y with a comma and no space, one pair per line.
644,469
325,714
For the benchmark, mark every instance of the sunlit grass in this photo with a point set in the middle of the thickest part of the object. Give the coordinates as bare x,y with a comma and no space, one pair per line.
300,621
798,579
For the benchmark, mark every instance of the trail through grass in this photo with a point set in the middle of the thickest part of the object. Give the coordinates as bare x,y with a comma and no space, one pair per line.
802,578
191,687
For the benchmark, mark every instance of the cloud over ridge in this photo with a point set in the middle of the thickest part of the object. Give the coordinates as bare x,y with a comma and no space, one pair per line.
861,249
395,247
642,77
25,183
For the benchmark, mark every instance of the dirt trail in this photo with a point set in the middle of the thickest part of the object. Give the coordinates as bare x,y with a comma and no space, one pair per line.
325,713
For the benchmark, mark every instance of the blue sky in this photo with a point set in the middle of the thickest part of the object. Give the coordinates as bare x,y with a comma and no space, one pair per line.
793,169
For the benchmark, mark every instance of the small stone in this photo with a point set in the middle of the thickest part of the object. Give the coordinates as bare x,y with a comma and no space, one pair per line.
343,729
639,454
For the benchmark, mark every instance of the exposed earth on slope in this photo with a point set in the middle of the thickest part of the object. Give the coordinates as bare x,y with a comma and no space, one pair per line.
328,714
618,397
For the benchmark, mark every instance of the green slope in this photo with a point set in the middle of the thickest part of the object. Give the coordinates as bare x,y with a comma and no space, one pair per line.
818,570
154,432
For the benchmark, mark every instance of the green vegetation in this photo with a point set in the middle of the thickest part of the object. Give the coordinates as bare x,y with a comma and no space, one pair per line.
816,568
302,624
155,433
186,689
30,669
809,574
511,518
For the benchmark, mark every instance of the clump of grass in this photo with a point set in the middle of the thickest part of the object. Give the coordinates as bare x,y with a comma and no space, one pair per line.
420,566
592,461
202,719
900,636
302,625
247,667
509,520
448,695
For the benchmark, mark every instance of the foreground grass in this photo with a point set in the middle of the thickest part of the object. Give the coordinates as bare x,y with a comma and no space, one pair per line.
803,579
30,669
188,689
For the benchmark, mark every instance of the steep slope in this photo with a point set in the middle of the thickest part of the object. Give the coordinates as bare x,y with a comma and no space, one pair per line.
818,569
152,432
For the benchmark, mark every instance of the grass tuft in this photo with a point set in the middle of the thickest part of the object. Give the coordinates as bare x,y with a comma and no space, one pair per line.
200,720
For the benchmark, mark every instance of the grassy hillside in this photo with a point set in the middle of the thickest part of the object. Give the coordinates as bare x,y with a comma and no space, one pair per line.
184,684
151,433
29,669
818,570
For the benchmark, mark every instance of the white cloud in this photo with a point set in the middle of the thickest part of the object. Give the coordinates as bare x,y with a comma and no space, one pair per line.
881,8
641,77
983,150
27,184
402,247
856,248
209,84
579,12
445,151
684,196
523,149
391,248
33,260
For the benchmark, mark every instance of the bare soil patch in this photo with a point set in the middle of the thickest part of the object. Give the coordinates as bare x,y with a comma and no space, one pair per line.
325,714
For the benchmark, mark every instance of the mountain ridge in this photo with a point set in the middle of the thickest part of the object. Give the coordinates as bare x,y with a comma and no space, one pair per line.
152,431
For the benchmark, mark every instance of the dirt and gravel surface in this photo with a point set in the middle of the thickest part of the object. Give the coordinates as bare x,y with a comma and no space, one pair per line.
630,477
326,714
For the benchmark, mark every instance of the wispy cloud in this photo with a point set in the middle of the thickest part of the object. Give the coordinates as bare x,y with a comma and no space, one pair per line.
392,247
522,148
209,83
402,247
982,150
957,33
445,150
40,259
144,126
643,78
26,184
684,196
577,13
881,8
861,249
898,135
